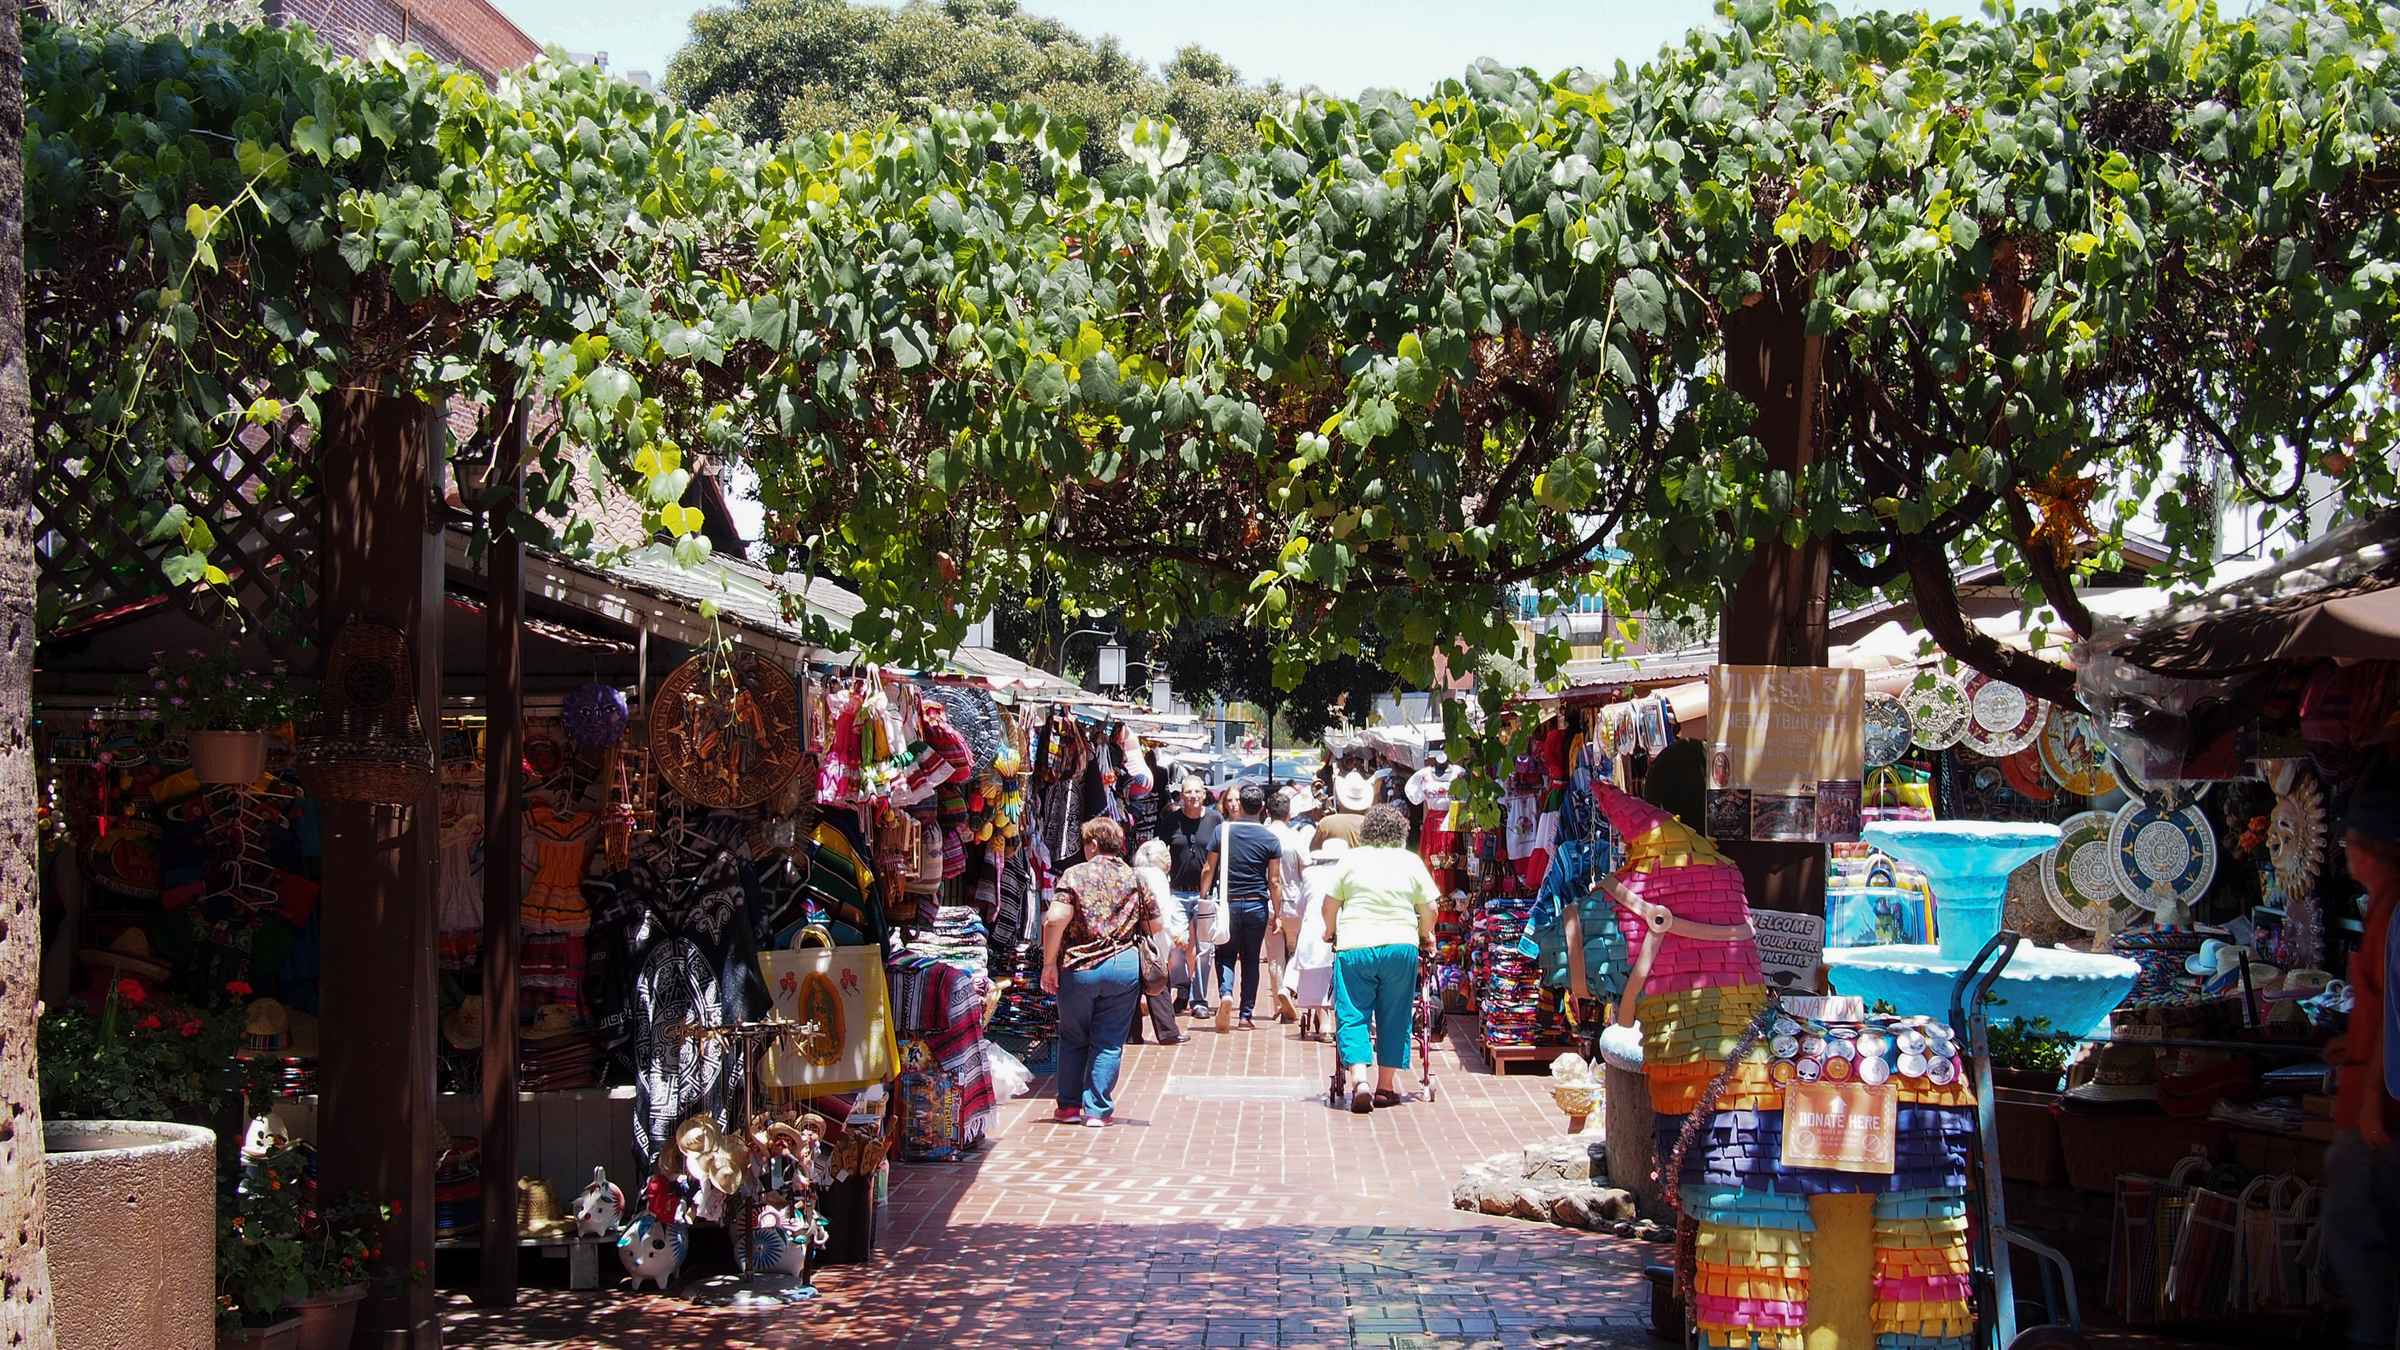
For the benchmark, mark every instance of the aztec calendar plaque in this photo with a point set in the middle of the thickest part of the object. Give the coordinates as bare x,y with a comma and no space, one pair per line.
2001,718
1937,714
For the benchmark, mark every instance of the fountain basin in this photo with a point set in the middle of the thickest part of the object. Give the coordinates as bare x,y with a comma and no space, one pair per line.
1967,863
2075,991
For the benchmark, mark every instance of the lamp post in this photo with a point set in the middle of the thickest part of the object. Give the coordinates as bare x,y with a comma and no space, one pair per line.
1103,658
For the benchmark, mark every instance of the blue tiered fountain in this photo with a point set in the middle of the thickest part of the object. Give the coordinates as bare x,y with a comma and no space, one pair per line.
1967,863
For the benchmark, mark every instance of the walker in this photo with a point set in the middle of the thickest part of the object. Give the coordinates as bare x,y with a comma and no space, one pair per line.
1426,1019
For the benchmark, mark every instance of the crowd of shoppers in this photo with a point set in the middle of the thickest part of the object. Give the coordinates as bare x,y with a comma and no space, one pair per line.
1308,894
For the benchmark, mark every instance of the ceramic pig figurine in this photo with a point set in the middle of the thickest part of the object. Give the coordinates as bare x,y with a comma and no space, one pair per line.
652,1250
600,1208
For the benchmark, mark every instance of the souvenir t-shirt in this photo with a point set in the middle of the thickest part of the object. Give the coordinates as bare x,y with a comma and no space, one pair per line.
1188,840
1247,849
1382,892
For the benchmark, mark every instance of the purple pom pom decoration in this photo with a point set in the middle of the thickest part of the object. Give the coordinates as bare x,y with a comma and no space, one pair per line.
595,716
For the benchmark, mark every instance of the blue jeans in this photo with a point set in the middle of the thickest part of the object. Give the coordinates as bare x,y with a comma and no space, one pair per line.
1095,1011
1247,928
1195,991
1380,982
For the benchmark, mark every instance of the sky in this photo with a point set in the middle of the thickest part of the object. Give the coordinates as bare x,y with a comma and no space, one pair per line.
1341,46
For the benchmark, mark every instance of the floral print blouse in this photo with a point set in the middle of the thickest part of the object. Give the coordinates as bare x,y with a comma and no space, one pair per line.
1112,911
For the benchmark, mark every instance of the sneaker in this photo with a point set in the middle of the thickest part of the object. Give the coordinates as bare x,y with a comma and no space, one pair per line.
1065,1115
1178,1040
1200,1012
1097,1122
1248,1025
1225,1015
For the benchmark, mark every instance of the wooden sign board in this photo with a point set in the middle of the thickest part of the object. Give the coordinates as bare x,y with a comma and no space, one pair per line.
1787,757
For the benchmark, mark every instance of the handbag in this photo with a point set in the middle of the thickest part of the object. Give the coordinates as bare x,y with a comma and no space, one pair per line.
842,991
1220,924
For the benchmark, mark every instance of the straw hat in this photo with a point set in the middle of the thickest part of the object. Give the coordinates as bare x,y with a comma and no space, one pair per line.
462,1027
129,955
1304,801
2122,1072
1329,849
537,1208
266,1028
553,1021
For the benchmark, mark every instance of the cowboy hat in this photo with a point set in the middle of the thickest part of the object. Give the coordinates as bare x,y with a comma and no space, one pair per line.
1329,849
1304,801
553,1021
129,955
463,1026
1354,791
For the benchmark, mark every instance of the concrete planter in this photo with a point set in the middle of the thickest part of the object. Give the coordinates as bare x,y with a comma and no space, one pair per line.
133,1234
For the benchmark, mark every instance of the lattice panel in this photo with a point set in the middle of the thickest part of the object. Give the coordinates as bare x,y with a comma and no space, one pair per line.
91,513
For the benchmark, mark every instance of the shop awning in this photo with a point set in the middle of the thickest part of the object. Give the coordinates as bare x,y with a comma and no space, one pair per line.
2338,598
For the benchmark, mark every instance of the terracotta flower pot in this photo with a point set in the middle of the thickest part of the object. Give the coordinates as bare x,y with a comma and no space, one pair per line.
228,756
279,1336
133,1234
328,1319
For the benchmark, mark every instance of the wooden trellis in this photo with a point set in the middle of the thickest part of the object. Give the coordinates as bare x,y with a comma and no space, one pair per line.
92,512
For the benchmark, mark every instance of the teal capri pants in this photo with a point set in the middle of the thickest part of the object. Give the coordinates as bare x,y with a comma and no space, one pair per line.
1377,982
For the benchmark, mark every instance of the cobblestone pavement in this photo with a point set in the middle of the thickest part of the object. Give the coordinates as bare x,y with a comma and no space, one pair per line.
1229,1207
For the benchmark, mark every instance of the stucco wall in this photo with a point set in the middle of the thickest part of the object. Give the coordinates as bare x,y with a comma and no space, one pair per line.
133,1234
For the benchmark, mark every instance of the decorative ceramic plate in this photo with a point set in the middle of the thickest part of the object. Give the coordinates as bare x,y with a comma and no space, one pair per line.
1888,730
2074,756
2080,877
2162,858
1937,713
2296,834
2001,718
2022,772
2168,794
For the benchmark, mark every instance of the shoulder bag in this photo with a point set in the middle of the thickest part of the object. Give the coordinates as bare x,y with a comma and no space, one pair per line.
1220,924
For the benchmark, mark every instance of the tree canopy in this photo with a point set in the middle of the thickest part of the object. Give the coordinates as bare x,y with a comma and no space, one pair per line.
769,69
1349,383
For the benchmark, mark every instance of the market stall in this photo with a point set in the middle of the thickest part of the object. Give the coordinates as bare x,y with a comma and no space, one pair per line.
761,903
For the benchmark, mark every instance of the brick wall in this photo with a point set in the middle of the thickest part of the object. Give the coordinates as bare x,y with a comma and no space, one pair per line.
467,33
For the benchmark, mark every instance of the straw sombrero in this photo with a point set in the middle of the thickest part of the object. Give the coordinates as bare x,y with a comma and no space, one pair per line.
537,1209
129,955
266,1028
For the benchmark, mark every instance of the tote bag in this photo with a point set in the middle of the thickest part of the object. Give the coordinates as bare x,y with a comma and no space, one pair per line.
841,990
1220,924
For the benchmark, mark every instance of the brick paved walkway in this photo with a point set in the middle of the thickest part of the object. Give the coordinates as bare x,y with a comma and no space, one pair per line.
1230,1207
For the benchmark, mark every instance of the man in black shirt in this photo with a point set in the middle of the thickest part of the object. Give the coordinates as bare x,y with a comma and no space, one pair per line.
1189,832
1252,856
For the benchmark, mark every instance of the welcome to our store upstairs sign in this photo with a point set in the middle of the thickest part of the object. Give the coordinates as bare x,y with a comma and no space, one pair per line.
1787,753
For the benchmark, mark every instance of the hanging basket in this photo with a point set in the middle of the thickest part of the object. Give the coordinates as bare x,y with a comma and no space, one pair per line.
725,730
225,757
371,747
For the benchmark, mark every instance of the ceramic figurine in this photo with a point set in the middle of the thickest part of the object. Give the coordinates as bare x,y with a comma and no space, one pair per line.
600,1208
779,1241
652,1250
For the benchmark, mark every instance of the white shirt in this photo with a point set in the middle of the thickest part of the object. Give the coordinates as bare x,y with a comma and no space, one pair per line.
1295,843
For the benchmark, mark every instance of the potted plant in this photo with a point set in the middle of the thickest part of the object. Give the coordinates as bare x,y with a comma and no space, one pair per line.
220,709
341,1240
2029,1057
129,1170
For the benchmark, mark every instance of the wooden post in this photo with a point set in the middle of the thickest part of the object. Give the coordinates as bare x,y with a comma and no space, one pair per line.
381,557
503,879
1775,615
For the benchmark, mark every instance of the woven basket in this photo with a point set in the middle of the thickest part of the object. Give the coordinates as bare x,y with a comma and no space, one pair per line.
370,746
1574,1100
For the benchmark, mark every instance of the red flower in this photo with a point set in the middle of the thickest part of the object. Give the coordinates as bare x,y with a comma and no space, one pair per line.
189,1029
238,988
132,992
150,1023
